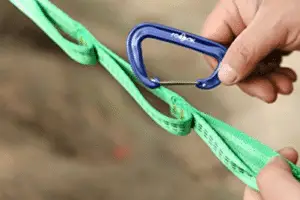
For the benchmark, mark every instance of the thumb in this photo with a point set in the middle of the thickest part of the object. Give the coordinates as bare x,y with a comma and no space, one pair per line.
276,181
261,37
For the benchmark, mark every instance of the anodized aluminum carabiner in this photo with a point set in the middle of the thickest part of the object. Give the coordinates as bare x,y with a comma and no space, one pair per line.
174,36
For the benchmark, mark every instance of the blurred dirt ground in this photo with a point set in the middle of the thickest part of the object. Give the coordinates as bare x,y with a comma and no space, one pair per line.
64,127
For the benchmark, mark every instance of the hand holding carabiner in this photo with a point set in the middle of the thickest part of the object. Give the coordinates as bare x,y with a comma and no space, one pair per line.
174,36
253,30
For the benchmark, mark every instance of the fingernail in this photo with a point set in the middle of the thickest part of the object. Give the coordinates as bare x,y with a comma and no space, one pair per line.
227,74
280,162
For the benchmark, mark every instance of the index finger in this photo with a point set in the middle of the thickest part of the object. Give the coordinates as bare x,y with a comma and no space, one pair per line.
222,25
217,28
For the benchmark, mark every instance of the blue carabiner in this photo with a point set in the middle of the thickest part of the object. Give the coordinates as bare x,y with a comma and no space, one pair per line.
175,36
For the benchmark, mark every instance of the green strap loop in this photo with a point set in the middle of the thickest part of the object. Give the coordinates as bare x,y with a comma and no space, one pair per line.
242,155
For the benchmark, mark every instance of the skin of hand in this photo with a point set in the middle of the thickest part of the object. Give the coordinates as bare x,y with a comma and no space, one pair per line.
258,33
275,181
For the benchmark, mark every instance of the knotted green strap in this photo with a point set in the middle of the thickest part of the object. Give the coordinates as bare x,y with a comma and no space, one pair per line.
241,154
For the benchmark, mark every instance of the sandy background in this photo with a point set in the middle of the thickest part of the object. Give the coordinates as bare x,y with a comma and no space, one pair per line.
61,123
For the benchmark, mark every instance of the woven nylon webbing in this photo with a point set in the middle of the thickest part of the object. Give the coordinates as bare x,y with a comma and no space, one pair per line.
242,155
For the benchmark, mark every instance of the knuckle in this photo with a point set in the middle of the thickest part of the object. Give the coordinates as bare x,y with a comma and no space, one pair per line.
244,52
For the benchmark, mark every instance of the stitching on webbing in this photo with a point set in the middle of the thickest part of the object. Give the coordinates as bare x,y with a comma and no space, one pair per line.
179,128
212,143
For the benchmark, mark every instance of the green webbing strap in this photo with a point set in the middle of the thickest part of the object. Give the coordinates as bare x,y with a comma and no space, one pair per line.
241,154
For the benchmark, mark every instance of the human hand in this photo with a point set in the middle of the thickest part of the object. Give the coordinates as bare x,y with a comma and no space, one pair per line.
275,181
258,33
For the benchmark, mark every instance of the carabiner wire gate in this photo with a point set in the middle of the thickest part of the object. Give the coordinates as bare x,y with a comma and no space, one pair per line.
170,83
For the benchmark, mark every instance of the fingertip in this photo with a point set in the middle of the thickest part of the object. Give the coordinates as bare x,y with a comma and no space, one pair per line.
282,82
227,74
212,62
286,90
290,73
271,98
289,153
261,88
